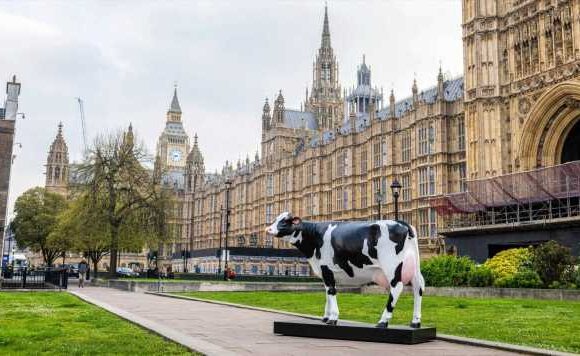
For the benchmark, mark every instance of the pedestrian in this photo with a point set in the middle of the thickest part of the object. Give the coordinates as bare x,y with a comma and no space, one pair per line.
83,268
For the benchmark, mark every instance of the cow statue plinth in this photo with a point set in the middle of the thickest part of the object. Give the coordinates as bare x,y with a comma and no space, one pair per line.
385,252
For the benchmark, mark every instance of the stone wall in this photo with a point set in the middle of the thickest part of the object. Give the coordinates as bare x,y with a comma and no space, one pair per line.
473,292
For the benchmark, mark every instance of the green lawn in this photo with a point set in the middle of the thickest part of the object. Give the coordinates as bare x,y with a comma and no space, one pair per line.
539,323
53,323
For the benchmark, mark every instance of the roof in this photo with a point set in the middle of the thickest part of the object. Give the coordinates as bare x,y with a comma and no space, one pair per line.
452,91
295,119
175,107
364,90
175,129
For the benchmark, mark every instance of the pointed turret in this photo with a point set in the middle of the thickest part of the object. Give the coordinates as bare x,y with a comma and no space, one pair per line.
415,91
175,107
174,112
266,117
279,108
128,137
392,103
57,165
440,84
325,30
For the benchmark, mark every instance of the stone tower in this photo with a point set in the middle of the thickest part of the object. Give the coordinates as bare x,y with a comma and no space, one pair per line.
57,167
325,99
173,146
195,169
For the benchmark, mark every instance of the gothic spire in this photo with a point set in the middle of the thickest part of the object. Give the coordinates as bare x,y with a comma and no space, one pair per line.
175,103
325,30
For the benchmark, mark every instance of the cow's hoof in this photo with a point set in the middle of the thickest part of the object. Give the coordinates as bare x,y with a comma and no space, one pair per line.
382,325
325,320
415,325
331,322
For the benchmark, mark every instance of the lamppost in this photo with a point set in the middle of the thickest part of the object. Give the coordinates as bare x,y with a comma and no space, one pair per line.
379,201
228,187
396,188
220,250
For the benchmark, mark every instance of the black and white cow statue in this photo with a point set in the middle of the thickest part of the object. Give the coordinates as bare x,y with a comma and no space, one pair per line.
385,252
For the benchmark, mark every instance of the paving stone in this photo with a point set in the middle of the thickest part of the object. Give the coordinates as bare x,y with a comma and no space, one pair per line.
219,329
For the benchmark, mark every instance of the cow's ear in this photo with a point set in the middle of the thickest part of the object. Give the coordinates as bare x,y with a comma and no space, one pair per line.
296,220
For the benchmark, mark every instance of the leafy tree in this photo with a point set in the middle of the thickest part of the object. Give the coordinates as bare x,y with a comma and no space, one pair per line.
83,229
36,215
126,194
553,262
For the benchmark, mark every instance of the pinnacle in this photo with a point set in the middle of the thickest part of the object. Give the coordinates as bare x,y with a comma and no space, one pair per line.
175,107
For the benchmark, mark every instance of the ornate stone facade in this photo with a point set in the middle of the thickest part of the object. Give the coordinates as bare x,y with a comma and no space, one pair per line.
521,65
334,160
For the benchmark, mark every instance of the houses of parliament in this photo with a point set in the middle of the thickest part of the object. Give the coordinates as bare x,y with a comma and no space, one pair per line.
515,109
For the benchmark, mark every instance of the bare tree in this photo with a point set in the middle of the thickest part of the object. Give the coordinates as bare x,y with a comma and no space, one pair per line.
128,194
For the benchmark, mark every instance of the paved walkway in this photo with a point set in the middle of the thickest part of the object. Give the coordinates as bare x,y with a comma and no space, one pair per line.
222,330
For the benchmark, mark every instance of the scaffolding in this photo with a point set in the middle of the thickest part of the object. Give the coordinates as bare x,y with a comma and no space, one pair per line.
539,196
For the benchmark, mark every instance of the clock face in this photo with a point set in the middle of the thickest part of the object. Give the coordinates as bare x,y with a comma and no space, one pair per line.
175,155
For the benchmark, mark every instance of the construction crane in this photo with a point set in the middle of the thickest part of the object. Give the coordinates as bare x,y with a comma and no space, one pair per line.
83,125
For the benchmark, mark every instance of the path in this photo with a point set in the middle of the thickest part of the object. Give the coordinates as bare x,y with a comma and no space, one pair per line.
220,330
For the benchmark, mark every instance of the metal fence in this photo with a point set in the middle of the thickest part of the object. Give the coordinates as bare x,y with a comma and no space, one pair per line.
36,279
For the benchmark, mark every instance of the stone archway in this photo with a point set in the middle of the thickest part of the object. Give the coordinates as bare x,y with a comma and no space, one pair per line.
570,150
544,136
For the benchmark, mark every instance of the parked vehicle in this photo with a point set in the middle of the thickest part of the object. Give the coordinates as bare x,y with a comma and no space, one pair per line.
126,272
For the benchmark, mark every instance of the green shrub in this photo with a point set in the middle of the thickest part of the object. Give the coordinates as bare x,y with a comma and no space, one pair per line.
508,262
447,271
554,263
522,279
480,276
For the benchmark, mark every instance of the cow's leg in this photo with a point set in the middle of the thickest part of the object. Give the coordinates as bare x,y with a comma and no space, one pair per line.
331,302
326,308
418,287
394,293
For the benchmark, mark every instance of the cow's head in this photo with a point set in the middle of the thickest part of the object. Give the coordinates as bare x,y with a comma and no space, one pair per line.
286,227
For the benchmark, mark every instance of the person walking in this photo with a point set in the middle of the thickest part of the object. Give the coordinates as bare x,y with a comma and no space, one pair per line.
83,268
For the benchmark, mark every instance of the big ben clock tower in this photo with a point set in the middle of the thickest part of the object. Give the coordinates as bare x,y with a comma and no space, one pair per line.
173,146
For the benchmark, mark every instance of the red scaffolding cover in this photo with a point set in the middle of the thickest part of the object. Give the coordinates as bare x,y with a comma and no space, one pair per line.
543,184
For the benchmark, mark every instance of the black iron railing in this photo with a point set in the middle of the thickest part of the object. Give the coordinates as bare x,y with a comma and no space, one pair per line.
34,279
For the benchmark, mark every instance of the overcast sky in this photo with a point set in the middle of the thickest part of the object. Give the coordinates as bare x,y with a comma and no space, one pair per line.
123,58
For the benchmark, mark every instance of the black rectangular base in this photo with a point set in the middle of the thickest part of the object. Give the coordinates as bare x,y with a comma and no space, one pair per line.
355,332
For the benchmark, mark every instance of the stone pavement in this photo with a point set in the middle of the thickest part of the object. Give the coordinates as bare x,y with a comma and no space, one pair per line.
223,330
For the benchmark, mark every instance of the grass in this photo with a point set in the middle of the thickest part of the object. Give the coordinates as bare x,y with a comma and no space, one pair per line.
53,323
545,324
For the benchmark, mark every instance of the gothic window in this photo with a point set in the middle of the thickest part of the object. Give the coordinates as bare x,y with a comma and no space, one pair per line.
338,199
326,71
426,181
363,161
376,153
49,175
406,146
406,187
345,199
328,202
363,195
423,222
384,151
461,134
423,140
269,216
57,175
462,178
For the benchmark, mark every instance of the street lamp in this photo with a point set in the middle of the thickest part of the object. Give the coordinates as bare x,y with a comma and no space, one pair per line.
396,188
379,200
228,184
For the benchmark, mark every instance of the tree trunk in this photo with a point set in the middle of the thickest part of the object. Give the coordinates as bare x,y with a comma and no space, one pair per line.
114,250
95,268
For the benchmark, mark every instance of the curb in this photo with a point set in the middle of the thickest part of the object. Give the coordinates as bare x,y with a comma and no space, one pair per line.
443,337
191,343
